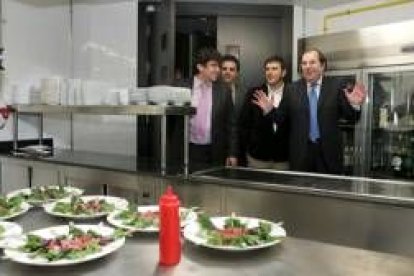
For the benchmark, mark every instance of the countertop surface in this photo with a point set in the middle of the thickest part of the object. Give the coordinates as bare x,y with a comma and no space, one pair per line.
379,190
293,256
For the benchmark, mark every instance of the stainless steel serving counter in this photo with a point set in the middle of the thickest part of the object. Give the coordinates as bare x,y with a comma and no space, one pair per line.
359,188
293,257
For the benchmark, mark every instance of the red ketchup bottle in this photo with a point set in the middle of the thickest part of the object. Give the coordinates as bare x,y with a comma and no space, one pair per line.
169,237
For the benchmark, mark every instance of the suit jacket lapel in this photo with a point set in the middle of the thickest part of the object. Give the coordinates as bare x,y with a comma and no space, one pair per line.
303,90
323,93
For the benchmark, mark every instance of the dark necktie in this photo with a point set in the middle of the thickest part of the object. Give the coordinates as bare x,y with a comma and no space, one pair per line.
313,113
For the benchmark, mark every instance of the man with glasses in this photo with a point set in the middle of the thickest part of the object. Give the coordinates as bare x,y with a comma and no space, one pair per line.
313,106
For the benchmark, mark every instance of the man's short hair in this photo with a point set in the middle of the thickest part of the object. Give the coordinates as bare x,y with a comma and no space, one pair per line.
321,56
277,59
231,58
204,55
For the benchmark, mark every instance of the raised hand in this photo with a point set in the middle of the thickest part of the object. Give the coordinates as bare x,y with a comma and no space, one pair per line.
261,100
357,95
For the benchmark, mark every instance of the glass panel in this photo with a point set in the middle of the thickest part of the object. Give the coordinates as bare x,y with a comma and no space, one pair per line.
348,132
392,152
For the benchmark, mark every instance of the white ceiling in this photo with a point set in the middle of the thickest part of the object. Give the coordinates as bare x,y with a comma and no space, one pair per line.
313,4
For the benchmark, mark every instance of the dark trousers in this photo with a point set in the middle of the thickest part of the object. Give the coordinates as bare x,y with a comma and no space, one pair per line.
200,157
314,158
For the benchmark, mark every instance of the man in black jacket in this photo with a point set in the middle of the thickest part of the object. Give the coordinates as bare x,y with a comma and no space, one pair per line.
264,143
213,138
313,106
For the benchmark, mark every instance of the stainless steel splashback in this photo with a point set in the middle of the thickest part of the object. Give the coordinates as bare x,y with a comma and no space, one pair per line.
384,45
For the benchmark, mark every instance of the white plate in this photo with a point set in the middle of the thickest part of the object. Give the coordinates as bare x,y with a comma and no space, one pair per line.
24,207
27,191
119,203
52,232
11,229
191,216
193,233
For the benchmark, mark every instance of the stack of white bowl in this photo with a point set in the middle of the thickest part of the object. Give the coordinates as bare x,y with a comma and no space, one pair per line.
163,95
138,96
159,94
180,95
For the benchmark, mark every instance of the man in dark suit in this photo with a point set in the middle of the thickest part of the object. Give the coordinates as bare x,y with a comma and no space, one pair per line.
213,140
265,144
313,106
230,76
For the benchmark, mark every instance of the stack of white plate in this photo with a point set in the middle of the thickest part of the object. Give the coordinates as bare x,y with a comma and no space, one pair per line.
37,150
51,90
74,92
35,95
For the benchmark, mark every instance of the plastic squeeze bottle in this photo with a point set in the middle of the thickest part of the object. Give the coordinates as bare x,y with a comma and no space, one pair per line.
169,236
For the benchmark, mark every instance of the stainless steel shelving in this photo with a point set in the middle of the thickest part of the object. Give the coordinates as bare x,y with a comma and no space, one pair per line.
155,110
149,110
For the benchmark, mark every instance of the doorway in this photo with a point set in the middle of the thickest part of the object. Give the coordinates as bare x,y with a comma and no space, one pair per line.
250,32
191,34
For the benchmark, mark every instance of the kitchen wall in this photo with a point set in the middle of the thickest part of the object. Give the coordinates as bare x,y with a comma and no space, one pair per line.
98,43
104,49
255,44
36,36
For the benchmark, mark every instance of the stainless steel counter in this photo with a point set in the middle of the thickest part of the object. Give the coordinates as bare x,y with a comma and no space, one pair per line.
93,160
106,109
359,188
293,257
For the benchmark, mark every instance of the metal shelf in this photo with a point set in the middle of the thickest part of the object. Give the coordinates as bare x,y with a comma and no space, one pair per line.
107,109
393,128
152,110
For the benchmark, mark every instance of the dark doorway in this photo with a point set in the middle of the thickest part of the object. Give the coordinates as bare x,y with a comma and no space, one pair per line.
250,32
191,34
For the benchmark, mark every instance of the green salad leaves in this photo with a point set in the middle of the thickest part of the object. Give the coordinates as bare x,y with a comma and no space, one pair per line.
45,193
75,245
78,206
235,232
9,206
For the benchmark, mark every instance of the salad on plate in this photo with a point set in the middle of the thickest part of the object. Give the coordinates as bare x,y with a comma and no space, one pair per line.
145,218
85,206
43,194
66,244
233,233
12,207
